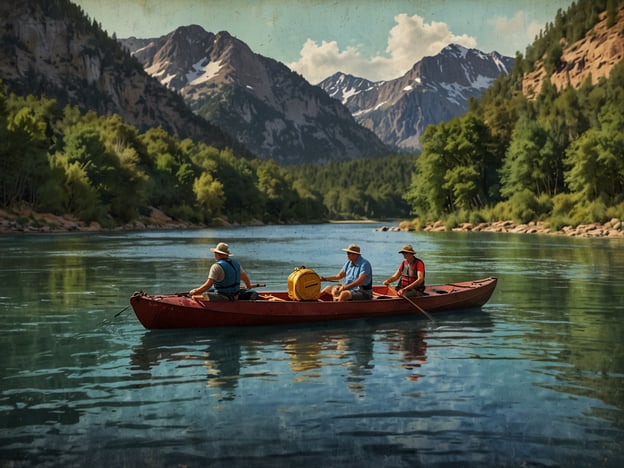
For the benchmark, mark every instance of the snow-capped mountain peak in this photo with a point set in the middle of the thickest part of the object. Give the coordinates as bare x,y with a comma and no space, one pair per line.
435,89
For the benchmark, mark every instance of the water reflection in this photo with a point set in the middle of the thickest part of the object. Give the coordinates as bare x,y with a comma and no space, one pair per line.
361,362
535,378
231,354
413,349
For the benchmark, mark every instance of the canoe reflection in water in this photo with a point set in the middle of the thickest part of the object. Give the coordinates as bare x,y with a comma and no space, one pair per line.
413,347
223,365
296,354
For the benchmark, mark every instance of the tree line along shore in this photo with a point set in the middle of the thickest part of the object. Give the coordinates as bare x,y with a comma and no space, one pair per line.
27,221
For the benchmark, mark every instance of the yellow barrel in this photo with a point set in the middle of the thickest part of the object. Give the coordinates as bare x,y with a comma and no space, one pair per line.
304,285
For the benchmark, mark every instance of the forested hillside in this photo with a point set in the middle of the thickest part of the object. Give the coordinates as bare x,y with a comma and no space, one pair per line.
67,150
103,170
557,156
369,188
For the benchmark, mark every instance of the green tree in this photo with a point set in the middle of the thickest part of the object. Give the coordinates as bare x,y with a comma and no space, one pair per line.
127,154
427,194
84,147
243,200
455,169
24,164
596,160
6,170
612,10
80,197
279,196
532,162
463,183
171,171
552,62
53,197
209,195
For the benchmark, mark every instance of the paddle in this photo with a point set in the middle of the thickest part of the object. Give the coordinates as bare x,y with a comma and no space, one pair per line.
103,322
413,303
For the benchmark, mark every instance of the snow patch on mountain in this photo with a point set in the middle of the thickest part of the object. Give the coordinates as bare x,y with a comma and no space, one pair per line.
435,89
200,73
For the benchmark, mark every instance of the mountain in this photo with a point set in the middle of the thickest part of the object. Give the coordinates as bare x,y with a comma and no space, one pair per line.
435,89
342,86
50,48
594,55
269,108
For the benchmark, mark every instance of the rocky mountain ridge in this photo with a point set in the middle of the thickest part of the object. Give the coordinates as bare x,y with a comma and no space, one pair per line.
52,49
269,108
435,89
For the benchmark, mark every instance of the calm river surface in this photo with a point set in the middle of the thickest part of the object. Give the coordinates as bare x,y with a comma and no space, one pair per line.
534,378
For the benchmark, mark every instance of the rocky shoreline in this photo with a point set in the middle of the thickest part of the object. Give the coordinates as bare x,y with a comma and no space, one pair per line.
27,221
24,220
612,229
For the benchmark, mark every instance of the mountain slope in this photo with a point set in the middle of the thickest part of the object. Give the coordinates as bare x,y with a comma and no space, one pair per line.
51,48
270,109
436,89
593,55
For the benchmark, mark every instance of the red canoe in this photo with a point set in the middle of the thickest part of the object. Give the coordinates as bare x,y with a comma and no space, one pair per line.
182,311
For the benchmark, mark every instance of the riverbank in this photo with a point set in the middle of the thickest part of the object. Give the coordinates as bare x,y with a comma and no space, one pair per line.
24,220
612,229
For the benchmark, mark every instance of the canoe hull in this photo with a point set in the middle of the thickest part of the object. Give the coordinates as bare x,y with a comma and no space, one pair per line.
180,311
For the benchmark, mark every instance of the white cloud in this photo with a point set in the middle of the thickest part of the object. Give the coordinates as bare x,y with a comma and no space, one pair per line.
409,40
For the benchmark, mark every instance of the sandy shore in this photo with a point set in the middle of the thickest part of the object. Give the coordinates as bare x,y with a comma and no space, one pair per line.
25,220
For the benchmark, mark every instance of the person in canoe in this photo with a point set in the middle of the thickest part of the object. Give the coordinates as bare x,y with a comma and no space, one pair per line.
411,272
224,277
358,274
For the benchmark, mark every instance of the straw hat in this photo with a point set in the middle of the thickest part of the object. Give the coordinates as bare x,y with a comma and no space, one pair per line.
407,248
353,249
221,248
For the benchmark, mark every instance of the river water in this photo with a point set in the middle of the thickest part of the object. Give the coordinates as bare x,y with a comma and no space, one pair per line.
534,378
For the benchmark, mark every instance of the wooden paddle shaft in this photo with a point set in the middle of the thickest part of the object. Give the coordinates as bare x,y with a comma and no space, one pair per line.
418,307
414,304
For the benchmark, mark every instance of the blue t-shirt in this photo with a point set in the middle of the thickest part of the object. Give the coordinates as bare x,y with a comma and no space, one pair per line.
354,271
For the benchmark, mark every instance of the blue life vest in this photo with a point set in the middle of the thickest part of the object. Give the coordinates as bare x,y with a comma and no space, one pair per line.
231,280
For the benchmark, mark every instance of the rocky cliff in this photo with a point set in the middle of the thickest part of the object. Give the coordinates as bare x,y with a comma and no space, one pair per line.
594,55
50,48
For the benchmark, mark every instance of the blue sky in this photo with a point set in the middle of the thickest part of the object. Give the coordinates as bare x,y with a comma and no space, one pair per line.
373,39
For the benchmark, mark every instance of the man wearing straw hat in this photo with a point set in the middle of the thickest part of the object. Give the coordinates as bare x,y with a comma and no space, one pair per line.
224,277
412,274
358,274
